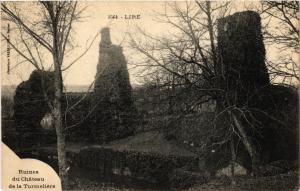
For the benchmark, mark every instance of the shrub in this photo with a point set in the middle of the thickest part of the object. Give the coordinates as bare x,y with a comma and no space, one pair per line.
151,167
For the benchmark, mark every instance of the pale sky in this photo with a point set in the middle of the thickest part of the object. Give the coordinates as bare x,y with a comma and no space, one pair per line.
96,17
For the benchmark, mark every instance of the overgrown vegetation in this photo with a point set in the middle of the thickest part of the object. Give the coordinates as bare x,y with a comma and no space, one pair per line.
208,89
149,166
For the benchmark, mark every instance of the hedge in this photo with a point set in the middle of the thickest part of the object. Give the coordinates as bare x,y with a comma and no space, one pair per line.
151,167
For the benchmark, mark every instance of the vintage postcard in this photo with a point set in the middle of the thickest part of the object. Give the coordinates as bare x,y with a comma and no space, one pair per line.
149,95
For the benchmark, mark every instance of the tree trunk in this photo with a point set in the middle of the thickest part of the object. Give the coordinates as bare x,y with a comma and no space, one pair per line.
254,155
211,34
233,159
61,145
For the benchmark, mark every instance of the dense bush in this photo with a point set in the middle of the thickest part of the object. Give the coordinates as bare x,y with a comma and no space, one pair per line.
151,167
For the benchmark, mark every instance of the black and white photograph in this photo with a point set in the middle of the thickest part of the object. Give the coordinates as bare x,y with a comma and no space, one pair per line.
150,95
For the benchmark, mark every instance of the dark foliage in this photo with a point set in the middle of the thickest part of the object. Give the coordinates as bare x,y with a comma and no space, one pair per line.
275,130
9,134
115,112
152,167
276,110
241,56
30,106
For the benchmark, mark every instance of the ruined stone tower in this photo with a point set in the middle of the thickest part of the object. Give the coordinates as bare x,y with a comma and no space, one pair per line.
115,110
245,80
242,54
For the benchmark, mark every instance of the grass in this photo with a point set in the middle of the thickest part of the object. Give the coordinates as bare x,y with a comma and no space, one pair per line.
152,141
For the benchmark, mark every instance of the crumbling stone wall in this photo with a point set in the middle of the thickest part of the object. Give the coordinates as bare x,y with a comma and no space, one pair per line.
115,111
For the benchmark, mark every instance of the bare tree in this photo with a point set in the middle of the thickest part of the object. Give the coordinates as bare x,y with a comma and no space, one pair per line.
281,29
190,56
40,36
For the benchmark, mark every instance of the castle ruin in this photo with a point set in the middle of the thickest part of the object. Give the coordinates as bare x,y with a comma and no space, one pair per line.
271,116
112,93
